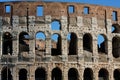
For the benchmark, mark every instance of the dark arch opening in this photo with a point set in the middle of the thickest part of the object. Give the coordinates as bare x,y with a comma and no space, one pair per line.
56,74
102,44
87,42
40,74
115,28
23,74
72,43
117,74
116,47
6,74
7,43
55,25
56,44
23,42
72,74
103,74
40,42
88,74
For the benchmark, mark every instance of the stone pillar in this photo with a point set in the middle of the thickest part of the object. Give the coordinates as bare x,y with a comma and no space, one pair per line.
111,74
1,35
48,37
32,37
49,73
95,74
64,38
14,73
15,24
17,73
110,56
32,73
48,46
95,49
64,49
0,73
32,49
81,73
80,48
65,72
1,43
109,26
80,39
15,44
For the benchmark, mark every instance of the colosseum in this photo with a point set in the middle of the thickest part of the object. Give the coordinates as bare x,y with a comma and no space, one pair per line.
28,50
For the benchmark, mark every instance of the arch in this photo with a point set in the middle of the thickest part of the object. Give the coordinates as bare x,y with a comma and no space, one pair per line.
88,74
102,44
115,28
40,42
7,43
116,47
56,44
56,74
40,74
23,74
72,43
87,42
103,74
116,74
24,42
6,74
55,25
73,74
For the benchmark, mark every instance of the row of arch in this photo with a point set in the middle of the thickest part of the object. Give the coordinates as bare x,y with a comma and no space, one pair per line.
73,74
72,42
56,42
56,25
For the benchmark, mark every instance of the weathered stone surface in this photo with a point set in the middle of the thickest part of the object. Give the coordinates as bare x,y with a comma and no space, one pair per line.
23,24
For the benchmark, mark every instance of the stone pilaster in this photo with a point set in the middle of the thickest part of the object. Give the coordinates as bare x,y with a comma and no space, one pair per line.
95,49
109,26
65,74
80,49
64,38
95,74
14,73
1,35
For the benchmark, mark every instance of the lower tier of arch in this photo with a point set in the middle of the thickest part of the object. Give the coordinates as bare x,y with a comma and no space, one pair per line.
60,71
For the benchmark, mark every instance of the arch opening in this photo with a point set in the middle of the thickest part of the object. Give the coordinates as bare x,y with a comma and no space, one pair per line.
72,74
24,42
40,74
88,74
87,42
116,74
102,44
6,74
115,28
103,74
40,42
23,74
55,25
72,43
7,43
56,74
116,47
56,44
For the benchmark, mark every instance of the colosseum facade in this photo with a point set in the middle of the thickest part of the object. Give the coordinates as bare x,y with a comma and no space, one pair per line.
24,55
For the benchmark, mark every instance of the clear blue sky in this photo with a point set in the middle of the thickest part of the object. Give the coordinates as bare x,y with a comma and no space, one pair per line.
114,3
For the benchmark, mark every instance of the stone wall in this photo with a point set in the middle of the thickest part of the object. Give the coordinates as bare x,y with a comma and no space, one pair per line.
83,60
